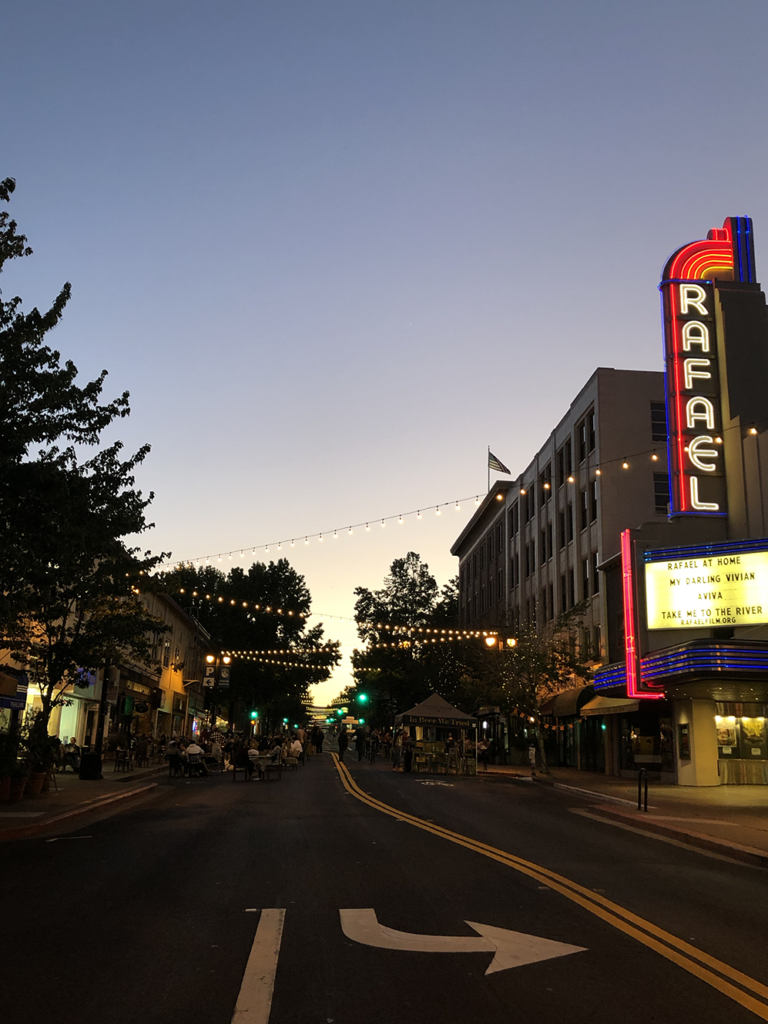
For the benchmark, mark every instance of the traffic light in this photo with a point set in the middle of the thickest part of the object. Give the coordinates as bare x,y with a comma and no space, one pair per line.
362,698
254,715
361,721
339,711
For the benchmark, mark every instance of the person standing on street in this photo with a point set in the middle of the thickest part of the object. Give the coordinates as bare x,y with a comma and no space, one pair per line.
343,743
360,742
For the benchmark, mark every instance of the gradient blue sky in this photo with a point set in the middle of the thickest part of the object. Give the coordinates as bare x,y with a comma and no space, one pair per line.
334,249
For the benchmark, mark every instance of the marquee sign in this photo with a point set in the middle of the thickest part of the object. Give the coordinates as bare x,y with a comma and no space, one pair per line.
689,303
727,589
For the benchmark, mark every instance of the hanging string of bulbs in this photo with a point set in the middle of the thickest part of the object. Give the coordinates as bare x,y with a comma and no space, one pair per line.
426,629
414,641
249,605
291,651
334,534
284,664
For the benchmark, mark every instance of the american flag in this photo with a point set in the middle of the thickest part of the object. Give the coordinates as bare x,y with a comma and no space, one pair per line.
494,463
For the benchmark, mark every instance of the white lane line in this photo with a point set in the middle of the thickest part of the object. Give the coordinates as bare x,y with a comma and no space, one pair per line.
255,999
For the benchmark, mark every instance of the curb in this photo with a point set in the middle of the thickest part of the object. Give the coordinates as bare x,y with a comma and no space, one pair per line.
736,851
28,831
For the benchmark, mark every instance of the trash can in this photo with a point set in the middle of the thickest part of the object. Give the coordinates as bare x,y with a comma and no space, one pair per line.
90,766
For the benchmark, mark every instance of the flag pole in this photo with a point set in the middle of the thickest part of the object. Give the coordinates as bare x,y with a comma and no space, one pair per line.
489,468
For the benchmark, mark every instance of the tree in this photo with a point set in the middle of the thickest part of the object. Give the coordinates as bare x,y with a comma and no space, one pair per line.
543,661
401,666
273,684
68,579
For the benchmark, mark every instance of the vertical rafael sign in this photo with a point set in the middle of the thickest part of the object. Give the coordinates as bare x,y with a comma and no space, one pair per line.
693,352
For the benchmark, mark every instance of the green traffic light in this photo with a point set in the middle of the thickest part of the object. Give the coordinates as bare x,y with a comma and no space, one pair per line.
339,712
362,721
362,697
254,714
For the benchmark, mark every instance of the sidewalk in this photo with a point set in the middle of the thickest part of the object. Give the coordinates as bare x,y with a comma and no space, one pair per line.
730,820
74,798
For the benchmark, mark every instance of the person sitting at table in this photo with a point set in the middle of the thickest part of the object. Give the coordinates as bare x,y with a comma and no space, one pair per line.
175,757
253,755
71,755
195,758
296,750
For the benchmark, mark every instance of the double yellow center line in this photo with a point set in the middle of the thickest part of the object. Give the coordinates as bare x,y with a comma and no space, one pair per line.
721,976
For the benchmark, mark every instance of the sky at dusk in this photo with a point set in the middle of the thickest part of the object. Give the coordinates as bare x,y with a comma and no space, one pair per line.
335,249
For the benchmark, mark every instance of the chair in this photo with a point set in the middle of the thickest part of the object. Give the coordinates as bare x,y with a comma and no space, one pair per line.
175,765
291,762
240,768
274,766
142,760
122,761
195,765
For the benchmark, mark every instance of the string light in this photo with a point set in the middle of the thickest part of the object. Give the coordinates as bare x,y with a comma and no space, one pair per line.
437,510
458,508
418,514
625,464
400,520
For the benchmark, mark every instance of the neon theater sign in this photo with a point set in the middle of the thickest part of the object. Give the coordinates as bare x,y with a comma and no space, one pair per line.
693,344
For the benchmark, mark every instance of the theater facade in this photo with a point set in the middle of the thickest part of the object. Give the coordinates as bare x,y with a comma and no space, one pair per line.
689,642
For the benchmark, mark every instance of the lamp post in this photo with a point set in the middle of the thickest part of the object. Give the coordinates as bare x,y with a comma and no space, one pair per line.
217,661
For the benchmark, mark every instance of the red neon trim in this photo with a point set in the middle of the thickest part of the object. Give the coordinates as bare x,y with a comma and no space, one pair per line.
700,260
632,659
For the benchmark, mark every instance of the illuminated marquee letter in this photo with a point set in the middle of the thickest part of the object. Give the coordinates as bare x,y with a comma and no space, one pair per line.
693,295
701,506
691,373
697,453
695,333
700,409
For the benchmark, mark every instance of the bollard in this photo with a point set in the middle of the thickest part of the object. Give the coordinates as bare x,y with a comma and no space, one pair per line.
642,790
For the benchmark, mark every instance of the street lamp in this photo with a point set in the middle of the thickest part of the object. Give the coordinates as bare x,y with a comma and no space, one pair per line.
217,661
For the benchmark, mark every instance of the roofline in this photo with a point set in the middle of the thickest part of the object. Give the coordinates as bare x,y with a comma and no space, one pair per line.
500,486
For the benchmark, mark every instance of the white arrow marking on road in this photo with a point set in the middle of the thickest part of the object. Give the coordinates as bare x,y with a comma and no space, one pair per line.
511,949
255,999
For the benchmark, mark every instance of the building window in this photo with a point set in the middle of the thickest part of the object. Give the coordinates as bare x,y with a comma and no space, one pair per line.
569,517
474,566
563,594
543,548
595,574
549,540
481,553
491,598
545,485
582,440
592,431
597,644
500,585
661,493
166,654
593,501
585,577
659,422
514,520
561,530
490,547
551,593
584,510
571,588
499,535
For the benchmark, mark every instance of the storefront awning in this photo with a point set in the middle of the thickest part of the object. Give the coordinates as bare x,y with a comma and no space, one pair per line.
610,706
568,702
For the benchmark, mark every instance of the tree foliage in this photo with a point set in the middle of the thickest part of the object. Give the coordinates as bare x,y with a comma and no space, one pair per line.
67,576
275,690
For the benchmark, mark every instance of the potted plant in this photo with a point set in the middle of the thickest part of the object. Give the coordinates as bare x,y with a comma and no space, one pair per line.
19,777
39,753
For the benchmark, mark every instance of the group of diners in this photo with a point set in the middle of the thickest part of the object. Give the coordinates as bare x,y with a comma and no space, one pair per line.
204,754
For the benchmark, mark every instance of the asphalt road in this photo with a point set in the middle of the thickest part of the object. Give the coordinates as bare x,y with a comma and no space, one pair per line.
168,912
